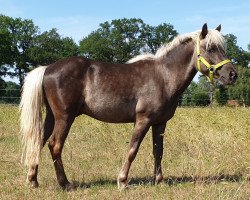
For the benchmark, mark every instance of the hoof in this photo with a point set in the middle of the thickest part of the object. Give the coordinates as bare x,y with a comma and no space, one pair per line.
69,187
33,184
122,185
158,179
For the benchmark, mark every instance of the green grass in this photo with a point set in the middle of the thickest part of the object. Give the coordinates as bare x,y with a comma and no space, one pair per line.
206,156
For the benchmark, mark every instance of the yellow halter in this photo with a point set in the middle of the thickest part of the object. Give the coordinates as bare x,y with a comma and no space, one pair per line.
211,68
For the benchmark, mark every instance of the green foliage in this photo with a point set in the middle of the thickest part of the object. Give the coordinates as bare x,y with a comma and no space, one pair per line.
49,46
122,39
236,53
2,87
5,49
221,95
200,98
96,47
18,36
155,36
241,90
113,42
197,94
9,92
186,99
22,47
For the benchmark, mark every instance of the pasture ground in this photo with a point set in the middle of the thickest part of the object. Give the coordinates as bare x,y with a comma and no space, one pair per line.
206,156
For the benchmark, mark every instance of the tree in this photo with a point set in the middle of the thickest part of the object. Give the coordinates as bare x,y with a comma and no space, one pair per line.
241,90
186,98
221,95
97,47
200,98
5,51
18,35
22,47
236,53
117,41
198,94
155,37
50,46
9,92
122,39
12,92
2,87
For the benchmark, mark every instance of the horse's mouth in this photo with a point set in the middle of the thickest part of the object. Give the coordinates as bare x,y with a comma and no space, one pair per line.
225,81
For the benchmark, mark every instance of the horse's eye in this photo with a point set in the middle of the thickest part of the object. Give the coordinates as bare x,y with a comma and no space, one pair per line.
211,50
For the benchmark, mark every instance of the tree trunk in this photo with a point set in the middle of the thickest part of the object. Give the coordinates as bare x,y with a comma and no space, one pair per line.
20,76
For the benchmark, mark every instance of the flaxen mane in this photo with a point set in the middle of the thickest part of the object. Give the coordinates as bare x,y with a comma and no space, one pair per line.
213,37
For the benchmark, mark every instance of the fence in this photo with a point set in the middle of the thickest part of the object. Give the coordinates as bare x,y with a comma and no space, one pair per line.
12,96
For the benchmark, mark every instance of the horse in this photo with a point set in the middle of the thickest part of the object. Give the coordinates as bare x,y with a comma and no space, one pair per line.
143,91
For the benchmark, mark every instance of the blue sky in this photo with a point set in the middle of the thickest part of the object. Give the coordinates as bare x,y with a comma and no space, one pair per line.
77,18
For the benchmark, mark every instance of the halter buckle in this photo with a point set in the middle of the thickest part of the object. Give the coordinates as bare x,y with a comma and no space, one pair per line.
211,69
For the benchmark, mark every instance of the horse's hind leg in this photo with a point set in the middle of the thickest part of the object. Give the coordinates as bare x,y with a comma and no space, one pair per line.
157,133
56,142
48,128
32,175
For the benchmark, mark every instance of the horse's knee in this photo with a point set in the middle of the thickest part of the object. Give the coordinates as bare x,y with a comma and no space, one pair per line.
51,144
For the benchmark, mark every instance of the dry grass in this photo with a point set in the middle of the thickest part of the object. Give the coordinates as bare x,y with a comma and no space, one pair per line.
206,156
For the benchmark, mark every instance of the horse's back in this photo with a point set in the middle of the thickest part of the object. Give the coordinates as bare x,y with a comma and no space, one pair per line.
72,66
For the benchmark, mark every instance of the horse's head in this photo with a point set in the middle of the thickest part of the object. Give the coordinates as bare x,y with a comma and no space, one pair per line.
212,60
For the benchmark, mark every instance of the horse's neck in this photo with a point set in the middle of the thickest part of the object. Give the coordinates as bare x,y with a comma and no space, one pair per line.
179,69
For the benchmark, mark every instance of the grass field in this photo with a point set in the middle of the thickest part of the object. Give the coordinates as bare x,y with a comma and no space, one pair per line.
206,156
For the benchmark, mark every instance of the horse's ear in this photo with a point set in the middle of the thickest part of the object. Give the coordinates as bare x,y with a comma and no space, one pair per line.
218,28
204,31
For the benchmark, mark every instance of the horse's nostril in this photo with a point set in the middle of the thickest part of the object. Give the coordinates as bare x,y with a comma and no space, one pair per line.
233,75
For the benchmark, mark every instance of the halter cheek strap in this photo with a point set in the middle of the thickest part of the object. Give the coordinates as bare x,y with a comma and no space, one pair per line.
211,68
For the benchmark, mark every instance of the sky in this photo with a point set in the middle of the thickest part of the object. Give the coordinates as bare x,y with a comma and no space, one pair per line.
78,18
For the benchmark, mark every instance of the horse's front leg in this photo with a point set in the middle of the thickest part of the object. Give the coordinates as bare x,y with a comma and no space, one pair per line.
140,130
157,133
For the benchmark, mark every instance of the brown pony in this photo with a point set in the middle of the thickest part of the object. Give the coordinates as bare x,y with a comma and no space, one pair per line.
144,91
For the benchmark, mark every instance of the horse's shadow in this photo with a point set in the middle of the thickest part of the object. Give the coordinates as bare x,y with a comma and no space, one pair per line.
169,181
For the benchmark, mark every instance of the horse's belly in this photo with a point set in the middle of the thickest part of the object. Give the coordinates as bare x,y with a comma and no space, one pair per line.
110,110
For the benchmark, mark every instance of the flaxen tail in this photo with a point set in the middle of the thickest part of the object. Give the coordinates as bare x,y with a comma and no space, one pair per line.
31,119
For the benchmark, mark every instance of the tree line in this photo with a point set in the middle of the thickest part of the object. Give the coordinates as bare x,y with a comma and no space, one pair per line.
23,47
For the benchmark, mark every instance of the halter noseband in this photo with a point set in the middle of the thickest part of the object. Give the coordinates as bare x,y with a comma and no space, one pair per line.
211,68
